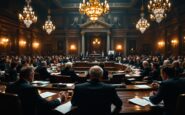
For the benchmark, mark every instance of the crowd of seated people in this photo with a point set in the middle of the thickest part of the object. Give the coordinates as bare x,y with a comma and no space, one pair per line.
149,65
151,68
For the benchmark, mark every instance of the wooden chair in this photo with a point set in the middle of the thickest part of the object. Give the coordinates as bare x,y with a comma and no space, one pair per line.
180,107
61,79
117,78
10,104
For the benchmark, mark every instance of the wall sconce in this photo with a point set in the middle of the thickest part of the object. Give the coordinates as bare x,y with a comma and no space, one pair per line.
96,42
22,43
4,41
119,47
73,47
174,42
35,45
161,44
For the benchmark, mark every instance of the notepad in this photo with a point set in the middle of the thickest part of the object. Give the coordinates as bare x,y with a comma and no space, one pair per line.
47,94
64,108
151,104
142,86
139,101
70,84
40,82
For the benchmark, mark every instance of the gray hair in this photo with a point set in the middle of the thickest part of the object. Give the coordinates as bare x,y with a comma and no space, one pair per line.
68,65
26,72
96,72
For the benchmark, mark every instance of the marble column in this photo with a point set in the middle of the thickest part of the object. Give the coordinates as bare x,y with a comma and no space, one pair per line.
108,42
67,49
125,46
83,43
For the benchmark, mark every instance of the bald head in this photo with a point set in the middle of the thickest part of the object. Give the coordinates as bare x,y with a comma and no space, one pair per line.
95,72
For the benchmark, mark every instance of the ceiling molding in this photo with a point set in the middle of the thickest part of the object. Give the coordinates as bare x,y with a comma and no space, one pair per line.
112,5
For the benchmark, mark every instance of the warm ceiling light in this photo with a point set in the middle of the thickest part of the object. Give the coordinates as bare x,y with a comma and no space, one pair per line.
22,43
35,45
174,42
73,47
142,24
119,47
28,15
49,26
158,9
94,8
4,41
161,43
96,42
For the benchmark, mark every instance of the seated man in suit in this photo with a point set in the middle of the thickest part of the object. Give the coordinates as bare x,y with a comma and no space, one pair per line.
169,89
95,97
42,70
68,71
32,102
105,72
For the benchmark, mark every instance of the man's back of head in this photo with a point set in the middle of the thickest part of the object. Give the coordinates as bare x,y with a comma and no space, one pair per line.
95,72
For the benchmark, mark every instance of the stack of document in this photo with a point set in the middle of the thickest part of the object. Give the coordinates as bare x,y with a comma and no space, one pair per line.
47,94
143,101
64,108
142,86
40,83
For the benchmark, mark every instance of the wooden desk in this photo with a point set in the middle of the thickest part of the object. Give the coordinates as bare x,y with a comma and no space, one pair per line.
129,108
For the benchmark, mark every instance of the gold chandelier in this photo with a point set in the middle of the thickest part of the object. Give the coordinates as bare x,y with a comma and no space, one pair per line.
49,26
28,15
142,24
94,8
158,9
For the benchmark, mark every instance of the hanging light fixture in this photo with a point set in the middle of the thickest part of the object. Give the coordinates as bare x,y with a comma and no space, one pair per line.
142,24
94,8
158,9
49,26
28,15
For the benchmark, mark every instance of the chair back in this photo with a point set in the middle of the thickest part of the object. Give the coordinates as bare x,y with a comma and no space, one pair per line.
61,79
117,78
10,104
180,107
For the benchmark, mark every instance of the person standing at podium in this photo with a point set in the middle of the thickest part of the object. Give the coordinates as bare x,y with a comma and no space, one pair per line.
95,97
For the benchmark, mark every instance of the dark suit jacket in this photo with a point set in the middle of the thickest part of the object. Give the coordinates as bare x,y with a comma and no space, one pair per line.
95,98
32,102
105,74
168,91
145,72
69,72
11,75
43,73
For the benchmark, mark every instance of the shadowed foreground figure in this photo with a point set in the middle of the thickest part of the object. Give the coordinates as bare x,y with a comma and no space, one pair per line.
95,97
170,88
32,102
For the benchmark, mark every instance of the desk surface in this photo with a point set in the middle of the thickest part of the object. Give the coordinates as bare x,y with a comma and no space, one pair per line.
127,107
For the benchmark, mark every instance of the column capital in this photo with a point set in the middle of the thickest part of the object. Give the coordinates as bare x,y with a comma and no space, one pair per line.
82,32
108,33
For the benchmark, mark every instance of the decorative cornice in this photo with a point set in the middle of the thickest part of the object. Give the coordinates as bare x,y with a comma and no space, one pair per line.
112,5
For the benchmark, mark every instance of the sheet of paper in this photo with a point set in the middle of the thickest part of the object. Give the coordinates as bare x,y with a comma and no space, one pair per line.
142,86
47,94
40,82
70,84
139,101
55,73
64,108
147,98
